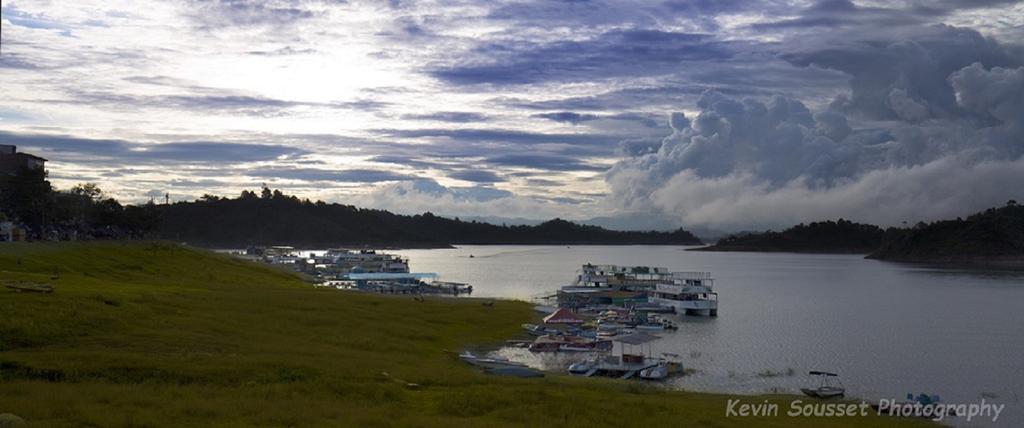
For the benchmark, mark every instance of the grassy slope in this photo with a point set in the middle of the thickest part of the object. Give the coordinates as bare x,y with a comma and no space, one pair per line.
158,335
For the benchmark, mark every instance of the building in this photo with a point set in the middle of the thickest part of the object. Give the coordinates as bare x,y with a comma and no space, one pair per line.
9,232
11,162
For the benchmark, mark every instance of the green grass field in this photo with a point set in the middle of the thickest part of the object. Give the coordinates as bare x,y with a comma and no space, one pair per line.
153,334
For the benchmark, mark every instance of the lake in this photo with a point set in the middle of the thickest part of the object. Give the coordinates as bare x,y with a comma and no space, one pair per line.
886,328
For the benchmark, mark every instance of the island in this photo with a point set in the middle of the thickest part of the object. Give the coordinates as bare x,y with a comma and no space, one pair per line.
841,236
994,237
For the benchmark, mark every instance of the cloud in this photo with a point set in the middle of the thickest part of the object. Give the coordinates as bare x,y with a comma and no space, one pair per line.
609,54
942,189
425,195
448,116
284,51
313,174
567,117
505,147
549,162
477,176
952,141
529,97
211,100
73,149
213,14
905,76
996,92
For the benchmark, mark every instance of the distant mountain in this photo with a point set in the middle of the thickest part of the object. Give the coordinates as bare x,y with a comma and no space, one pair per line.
274,218
994,236
840,236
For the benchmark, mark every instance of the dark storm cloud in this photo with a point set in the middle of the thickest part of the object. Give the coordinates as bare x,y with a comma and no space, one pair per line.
640,146
476,176
845,13
313,174
840,13
934,117
749,75
66,148
945,7
610,54
906,79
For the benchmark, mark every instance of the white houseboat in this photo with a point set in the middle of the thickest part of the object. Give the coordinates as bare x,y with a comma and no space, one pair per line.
688,292
365,261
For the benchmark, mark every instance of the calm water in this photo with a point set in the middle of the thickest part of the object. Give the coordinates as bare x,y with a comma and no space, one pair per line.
886,328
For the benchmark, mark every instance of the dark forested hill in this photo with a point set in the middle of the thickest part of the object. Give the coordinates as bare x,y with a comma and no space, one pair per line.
994,236
279,219
820,237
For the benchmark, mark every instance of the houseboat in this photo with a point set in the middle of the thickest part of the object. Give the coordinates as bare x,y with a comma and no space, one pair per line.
277,254
611,285
365,261
690,293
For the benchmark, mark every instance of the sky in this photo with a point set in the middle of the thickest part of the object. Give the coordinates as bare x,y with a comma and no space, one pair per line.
711,115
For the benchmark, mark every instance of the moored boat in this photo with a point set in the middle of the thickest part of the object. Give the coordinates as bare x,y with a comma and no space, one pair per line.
825,388
538,330
690,293
552,343
488,362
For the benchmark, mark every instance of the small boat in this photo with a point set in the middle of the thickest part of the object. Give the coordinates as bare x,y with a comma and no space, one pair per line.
551,343
592,346
825,389
582,367
657,372
538,330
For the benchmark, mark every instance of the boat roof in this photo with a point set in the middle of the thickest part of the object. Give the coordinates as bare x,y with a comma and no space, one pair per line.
817,373
637,338
562,316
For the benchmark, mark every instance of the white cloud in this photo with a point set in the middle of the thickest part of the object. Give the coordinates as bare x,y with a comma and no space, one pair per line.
942,189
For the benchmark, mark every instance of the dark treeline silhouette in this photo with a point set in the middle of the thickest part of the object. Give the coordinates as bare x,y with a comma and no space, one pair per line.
275,218
82,212
994,236
840,236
